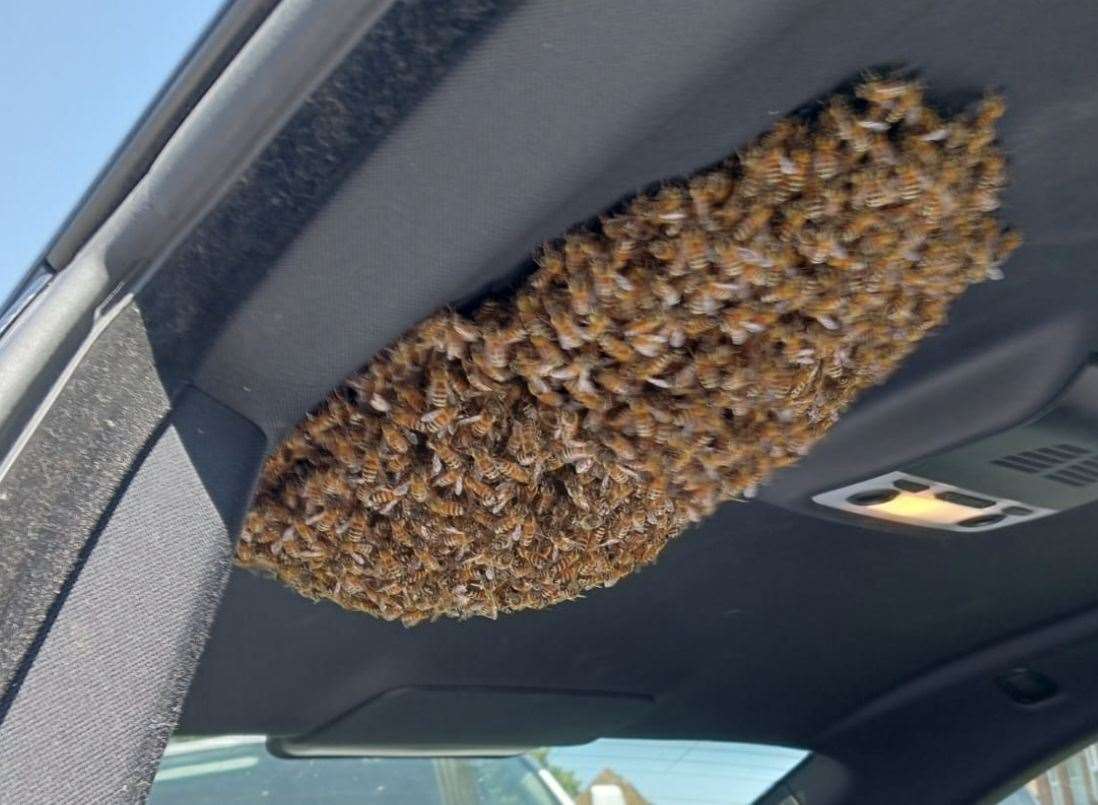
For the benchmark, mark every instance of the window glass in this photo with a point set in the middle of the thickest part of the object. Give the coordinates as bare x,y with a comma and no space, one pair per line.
74,77
239,769
1072,781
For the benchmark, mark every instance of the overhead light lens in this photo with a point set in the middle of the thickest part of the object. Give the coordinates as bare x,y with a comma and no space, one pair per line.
927,503
924,509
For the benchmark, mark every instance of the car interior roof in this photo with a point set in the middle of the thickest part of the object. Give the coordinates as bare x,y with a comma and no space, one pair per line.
450,142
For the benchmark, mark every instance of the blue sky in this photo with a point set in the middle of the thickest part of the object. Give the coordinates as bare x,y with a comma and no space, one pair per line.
75,75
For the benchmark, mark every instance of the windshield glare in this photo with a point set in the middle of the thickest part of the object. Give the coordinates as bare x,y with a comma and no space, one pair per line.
239,769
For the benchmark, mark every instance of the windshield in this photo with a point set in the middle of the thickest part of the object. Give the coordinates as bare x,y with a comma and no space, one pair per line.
239,769
1072,781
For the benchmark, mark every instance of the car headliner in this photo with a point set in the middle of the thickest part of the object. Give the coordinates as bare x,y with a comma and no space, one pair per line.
454,139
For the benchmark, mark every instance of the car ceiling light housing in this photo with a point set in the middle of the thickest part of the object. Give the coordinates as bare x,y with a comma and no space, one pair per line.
1039,468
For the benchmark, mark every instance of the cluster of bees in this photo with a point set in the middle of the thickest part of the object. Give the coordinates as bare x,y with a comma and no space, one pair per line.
654,366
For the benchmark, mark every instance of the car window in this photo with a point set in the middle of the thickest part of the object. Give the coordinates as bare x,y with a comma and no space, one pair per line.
1072,781
239,769
74,78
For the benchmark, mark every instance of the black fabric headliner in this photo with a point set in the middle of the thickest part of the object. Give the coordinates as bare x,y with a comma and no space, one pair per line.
766,623
763,625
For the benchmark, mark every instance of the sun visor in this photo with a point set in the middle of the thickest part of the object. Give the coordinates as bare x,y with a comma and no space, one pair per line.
417,721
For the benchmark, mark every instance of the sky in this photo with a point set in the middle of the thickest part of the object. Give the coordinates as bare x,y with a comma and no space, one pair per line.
75,75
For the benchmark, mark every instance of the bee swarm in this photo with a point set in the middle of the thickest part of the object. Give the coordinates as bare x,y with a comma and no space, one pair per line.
648,371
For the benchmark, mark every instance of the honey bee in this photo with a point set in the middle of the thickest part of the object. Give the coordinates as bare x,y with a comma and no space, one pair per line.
582,293
438,386
598,324
754,221
479,489
455,538
642,421
839,119
497,374
858,224
930,207
649,345
795,169
982,200
621,446
404,418
394,439
825,161
439,419
1008,243
784,133
880,91
411,397
587,396
482,424
516,473
346,452
652,369
708,371
315,425
644,325
496,349
708,191
529,314
419,490
446,454
549,352
324,522
767,164
482,383
448,478
604,277
550,268
709,296
666,291
446,508
380,498
695,249
670,205
730,257
524,442
882,151
669,252
335,484
615,383
617,227
620,475
877,191
550,398
990,110
485,465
